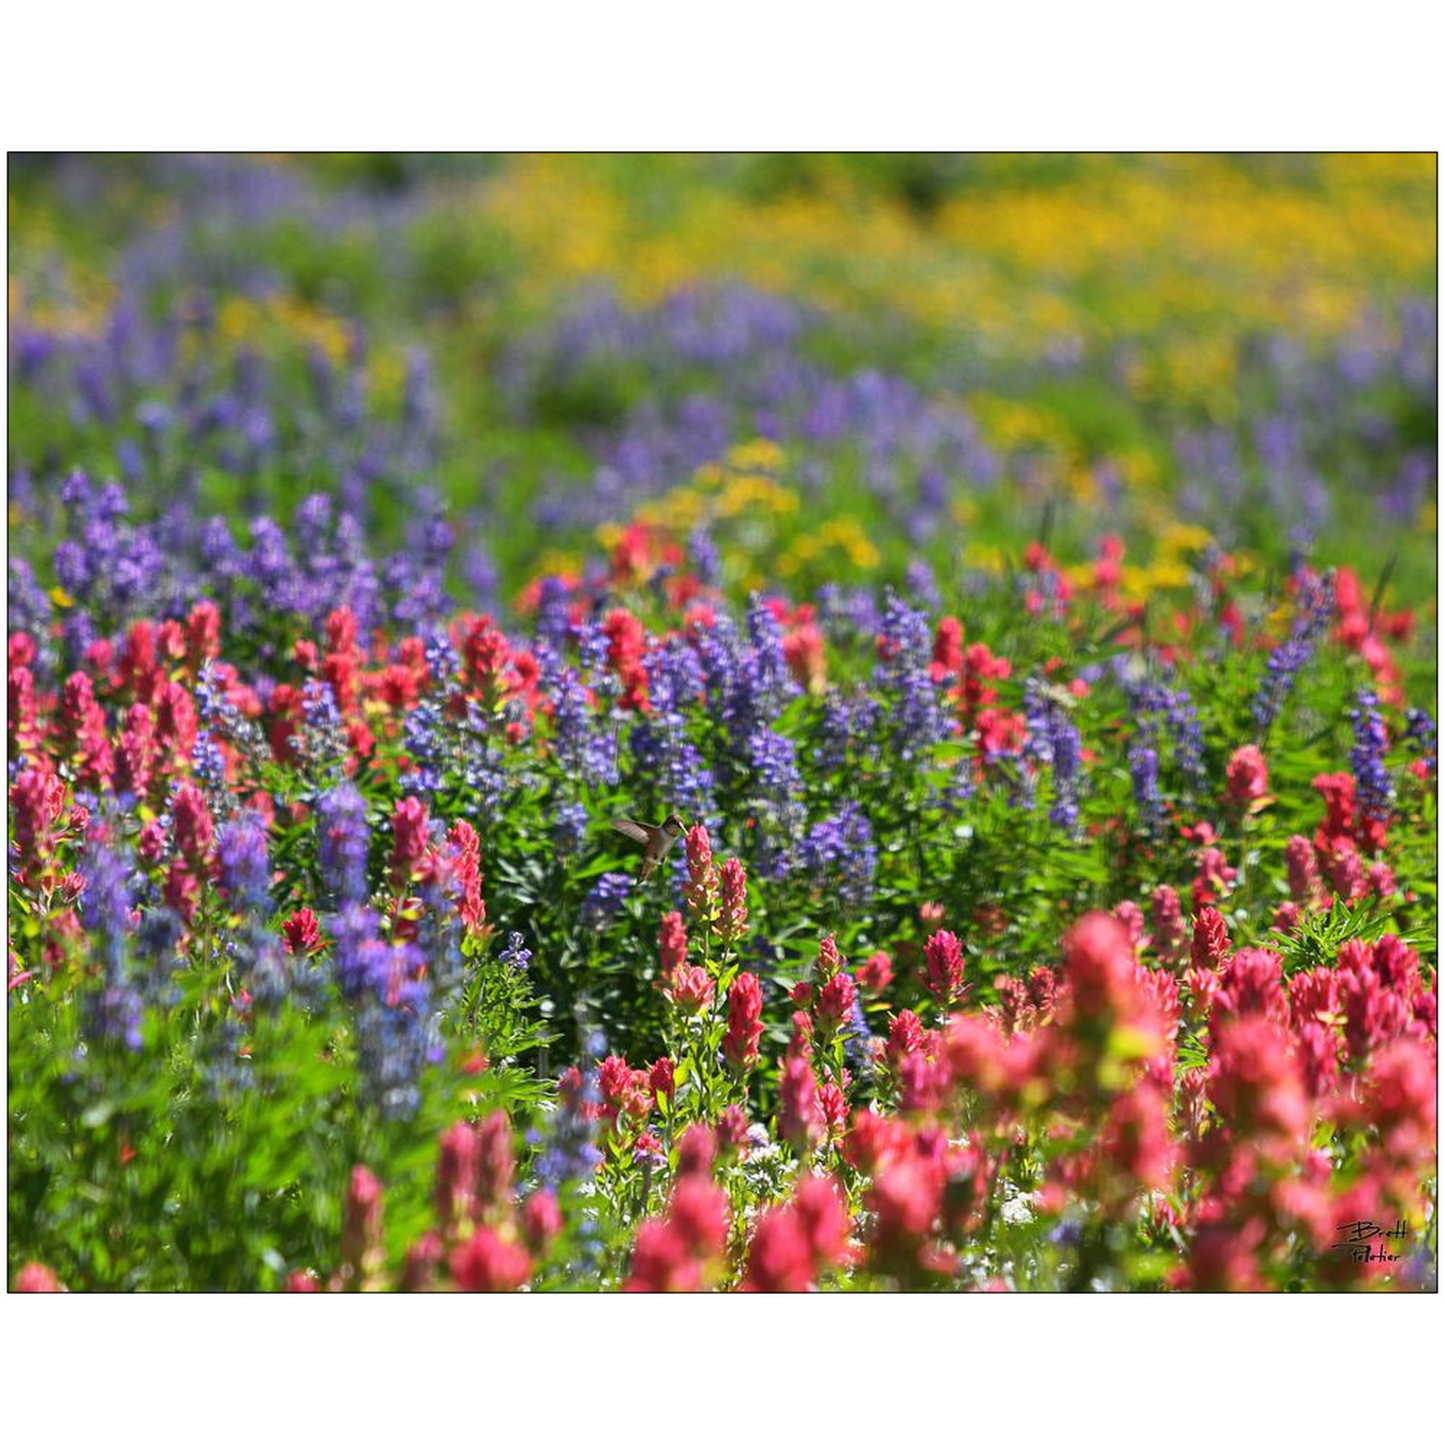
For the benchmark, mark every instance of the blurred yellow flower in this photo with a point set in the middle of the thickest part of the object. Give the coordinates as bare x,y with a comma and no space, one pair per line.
758,455
755,494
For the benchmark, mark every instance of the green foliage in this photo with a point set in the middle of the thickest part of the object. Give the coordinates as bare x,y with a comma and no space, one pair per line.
1316,942
212,1160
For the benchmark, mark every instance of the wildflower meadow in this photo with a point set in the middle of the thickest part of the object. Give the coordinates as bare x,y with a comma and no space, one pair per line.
996,595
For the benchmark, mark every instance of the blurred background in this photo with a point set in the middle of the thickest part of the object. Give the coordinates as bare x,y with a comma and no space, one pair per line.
942,355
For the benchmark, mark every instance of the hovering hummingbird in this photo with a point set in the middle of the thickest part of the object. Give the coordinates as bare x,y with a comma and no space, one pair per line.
656,841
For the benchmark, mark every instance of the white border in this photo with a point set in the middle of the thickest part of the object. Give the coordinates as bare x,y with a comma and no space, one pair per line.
742,76
753,74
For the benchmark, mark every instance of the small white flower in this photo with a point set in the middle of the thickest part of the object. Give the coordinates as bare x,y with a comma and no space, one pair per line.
1015,1210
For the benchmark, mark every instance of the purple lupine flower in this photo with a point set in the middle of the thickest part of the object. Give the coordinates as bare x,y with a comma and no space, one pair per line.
922,585
318,707
209,765
116,1011
137,572
312,521
342,841
839,855
858,1038
592,648
773,761
28,607
516,954
1182,720
269,973
605,900
219,554
660,742
429,535
395,1024
554,612
959,789
485,774
1374,789
1053,742
729,676
479,576
569,826
212,705
245,864
418,591
106,903
78,631
156,940
395,1041
1314,605
1066,759
585,751
847,613
689,782
703,554
359,956
72,570
439,939
268,563
1144,774
565,1149
776,686
820,850
747,684
1150,700
75,494
831,753
902,676
423,734
777,790
419,402
1420,733
441,657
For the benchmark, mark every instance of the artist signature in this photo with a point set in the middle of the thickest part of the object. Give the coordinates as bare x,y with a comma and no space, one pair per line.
1369,1243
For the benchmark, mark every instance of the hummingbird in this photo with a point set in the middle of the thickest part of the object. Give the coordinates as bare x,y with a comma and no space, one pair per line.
656,841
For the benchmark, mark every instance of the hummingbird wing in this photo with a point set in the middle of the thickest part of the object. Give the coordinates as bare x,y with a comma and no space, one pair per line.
632,830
